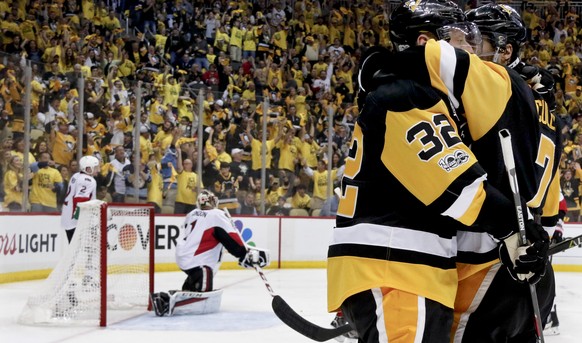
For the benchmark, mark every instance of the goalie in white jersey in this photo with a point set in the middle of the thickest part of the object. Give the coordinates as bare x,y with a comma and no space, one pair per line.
82,187
205,232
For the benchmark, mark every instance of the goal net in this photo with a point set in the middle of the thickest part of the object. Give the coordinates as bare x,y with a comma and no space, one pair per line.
109,265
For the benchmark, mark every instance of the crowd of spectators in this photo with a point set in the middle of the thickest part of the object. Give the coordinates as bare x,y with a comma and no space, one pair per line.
300,55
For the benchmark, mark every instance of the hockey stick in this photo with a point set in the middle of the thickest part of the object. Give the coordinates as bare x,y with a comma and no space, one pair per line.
293,320
565,245
507,151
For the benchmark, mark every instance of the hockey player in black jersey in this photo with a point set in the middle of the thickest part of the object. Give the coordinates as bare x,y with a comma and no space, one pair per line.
490,306
392,264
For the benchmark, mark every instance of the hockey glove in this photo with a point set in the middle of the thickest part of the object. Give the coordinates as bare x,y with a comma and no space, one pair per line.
531,74
558,235
526,263
255,256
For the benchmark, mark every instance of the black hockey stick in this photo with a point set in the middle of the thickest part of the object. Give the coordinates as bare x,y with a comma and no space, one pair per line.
507,151
565,245
292,318
295,321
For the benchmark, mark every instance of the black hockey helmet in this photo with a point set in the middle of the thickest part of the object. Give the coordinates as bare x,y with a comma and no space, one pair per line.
501,25
412,18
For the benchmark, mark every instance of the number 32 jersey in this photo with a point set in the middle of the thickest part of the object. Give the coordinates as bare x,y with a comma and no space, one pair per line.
410,180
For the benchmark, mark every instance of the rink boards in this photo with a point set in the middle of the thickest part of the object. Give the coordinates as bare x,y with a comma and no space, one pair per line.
31,245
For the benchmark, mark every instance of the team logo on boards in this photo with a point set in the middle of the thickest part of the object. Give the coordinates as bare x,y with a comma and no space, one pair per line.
245,232
126,236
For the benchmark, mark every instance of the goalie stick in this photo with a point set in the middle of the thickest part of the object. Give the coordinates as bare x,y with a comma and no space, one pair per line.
292,319
565,245
507,151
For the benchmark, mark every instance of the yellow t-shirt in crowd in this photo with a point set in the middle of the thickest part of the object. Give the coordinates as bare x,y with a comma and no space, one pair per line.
186,193
162,140
31,158
301,104
320,183
145,148
156,188
288,156
10,185
43,183
280,39
349,37
28,29
256,147
309,153
221,41
250,40
298,201
157,113
99,130
160,41
236,36
88,9
63,149
171,94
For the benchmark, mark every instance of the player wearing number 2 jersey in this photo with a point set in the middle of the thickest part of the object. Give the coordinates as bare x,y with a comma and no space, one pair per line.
82,187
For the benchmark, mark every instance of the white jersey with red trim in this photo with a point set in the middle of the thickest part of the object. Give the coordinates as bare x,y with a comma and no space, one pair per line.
82,187
198,245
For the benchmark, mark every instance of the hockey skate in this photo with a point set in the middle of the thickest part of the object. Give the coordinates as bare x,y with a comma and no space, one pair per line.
339,321
552,327
160,303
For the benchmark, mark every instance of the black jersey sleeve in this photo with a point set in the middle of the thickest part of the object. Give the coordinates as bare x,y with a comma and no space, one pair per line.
232,246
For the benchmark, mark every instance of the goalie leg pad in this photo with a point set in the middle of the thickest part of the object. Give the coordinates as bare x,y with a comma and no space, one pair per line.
194,302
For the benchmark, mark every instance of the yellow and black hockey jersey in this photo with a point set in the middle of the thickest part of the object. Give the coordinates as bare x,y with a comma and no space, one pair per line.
410,179
479,124
537,157
551,131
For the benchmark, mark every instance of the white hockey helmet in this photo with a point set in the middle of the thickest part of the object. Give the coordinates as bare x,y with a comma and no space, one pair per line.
206,200
89,164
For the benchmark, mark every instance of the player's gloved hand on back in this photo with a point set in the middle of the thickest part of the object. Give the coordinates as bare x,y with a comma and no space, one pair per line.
531,74
256,256
526,263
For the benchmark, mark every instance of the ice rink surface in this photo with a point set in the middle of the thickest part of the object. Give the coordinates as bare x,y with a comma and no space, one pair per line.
245,315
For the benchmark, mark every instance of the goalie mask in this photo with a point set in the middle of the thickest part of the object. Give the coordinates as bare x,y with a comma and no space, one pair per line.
207,200
89,165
